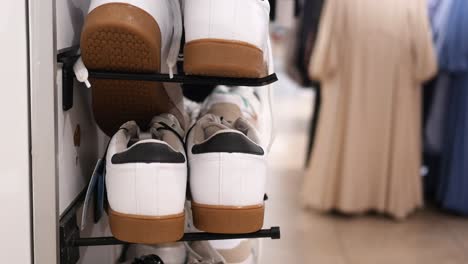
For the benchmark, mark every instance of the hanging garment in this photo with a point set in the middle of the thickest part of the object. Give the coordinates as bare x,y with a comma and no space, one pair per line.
315,117
272,10
371,57
298,69
435,102
434,125
306,36
439,13
297,7
309,33
453,181
453,52
453,178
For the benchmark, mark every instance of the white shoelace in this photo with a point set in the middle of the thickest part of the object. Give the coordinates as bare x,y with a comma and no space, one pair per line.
170,121
176,36
81,72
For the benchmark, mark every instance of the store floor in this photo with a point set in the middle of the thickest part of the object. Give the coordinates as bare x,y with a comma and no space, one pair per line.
426,237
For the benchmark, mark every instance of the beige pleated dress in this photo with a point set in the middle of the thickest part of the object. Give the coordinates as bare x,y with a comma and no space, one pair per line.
371,57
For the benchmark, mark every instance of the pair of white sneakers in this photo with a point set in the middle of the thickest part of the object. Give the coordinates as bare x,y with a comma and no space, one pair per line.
222,157
235,251
222,37
227,38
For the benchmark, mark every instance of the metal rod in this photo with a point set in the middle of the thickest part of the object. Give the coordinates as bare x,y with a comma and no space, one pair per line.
273,233
188,79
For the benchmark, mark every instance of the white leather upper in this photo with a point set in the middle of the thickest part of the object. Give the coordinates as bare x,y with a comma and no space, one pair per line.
148,189
238,20
155,189
226,179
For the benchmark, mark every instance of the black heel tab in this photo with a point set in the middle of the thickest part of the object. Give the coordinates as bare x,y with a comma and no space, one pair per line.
228,142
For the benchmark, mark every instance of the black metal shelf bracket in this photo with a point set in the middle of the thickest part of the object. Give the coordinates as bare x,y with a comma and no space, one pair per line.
186,79
273,233
69,58
68,79
71,242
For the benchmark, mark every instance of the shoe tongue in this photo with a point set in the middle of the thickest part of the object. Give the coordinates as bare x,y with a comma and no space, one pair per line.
213,124
202,252
229,111
166,128
241,125
222,117
216,124
234,102
168,121
212,128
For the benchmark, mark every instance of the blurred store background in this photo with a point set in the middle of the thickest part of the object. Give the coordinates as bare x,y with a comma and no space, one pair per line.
386,179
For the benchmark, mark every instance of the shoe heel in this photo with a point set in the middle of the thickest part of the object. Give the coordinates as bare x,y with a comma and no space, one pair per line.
123,38
225,58
146,229
228,219
147,201
233,203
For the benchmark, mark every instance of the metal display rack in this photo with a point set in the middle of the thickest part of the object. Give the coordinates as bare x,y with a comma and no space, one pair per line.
70,239
69,58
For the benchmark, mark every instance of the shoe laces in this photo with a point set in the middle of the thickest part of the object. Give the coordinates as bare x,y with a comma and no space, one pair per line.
216,120
243,97
131,128
81,72
211,255
176,36
212,124
166,122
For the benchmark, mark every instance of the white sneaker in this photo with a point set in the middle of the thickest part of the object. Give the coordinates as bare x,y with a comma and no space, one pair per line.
173,253
201,252
237,251
146,182
228,163
130,36
226,37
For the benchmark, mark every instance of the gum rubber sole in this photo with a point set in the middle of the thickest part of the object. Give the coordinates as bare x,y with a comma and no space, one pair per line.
146,229
228,219
123,38
224,58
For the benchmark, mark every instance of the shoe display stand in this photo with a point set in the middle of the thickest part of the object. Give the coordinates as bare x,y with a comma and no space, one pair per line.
69,58
70,239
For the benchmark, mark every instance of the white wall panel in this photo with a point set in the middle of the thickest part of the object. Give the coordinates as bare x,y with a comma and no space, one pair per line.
76,162
15,207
